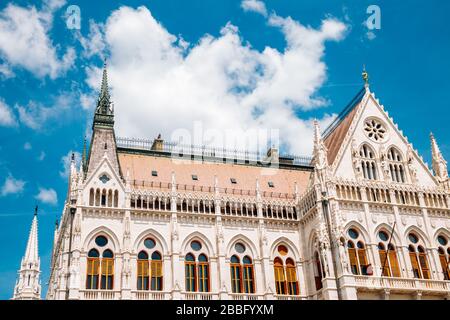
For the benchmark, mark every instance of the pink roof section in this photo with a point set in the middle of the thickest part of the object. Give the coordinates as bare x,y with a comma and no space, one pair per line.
140,168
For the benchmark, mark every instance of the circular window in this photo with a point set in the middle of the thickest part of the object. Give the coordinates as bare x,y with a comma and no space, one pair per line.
375,130
282,250
442,240
149,243
413,238
196,246
101,241
383,236
353,233
239,247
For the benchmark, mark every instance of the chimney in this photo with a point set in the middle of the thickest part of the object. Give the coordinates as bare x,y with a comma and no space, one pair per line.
158,144
272,155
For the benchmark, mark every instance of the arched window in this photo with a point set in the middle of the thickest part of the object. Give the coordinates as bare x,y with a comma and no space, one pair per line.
156,271
190,273
396,167
143,271
93,264
149,266
368,164
357,254
444,255
388,256
241,268
100,264
285,272
196,266
418,257
107,270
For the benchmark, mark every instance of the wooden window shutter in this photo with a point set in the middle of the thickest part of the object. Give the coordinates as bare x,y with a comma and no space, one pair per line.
424,265
394,263
353,260
156,270
384,263
445,266
415,265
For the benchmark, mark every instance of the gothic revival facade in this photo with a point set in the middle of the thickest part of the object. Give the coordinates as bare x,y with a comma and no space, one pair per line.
365,218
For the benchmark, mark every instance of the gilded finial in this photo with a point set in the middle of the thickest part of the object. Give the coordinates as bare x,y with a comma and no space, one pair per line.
365,76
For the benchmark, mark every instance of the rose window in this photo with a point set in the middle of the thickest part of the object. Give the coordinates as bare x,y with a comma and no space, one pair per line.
375,130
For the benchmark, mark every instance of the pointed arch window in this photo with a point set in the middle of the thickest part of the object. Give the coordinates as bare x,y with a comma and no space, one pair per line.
357,254
197,269
93,269
418,257
107,267
396,167
143,271
368,164
149,266
285,273
242,270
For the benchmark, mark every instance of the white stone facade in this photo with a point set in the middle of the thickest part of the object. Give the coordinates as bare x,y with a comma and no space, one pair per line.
313,223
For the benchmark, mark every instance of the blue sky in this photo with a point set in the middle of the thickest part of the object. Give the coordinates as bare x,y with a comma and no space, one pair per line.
49,82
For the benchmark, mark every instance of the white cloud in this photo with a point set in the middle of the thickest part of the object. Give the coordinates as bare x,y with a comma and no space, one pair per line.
12,186
94,43
7,118
41,156
47,196
221,82
36,116
24,40
66,159
27,146
255,6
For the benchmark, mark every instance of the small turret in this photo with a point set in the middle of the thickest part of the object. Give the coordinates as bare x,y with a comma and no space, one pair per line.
438,162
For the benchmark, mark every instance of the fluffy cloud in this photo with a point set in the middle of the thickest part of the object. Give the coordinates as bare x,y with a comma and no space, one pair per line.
37,116
161,85
24,40
27,146
12,186
66,159
41,156
254,5
47,196
7,117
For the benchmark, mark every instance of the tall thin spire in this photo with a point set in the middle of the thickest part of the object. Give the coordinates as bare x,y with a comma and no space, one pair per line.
104,114
28,286
438,162
31,253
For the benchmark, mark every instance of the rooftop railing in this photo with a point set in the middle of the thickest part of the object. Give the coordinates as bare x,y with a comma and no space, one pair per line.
206,152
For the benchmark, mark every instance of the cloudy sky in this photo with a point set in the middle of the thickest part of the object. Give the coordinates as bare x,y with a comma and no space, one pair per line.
225,66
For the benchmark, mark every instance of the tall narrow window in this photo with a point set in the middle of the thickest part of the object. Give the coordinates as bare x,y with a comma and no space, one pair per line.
249,285
357,255
318,274
93,264
203,273
143,271
190,273
291,277
353,258
107,267
280,280
236,274
368,164
444,255
418,257
396,165
156,272
388,256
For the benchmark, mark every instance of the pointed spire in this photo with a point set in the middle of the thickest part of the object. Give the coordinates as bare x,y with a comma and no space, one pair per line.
104,113
438,162
31,252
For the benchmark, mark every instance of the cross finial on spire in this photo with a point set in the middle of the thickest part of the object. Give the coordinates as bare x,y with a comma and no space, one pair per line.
365,76
36,210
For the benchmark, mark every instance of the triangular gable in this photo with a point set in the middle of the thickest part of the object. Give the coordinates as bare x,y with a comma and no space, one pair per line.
109,169
343,134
